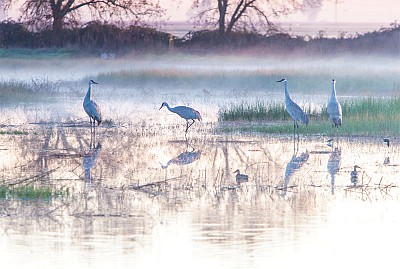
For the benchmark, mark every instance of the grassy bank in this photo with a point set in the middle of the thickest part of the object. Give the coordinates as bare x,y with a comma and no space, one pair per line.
370,116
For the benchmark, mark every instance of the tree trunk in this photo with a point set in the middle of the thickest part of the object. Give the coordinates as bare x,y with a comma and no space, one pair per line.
57,31
222,6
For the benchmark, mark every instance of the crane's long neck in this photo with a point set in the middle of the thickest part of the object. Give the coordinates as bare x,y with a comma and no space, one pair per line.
333,93
172,109
286,91
88,96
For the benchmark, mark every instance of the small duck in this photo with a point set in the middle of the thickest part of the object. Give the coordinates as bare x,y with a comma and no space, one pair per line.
386,141
354,175
240,178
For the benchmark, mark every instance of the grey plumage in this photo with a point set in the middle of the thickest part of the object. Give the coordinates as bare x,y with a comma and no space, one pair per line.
184,112
91,107
295,112
334,108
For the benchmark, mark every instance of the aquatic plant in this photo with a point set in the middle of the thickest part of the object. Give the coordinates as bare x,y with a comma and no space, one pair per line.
367,116
29,192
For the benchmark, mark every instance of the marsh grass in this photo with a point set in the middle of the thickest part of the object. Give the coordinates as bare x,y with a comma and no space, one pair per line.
21,91
29,192
369,116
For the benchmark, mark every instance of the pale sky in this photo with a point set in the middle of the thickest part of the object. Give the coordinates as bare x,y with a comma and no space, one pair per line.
349,11
374,11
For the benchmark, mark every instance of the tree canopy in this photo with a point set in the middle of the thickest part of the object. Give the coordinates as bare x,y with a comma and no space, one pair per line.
253,15
58,13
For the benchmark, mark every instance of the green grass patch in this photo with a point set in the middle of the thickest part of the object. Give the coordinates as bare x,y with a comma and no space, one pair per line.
14,133
45,53
369,116
29,192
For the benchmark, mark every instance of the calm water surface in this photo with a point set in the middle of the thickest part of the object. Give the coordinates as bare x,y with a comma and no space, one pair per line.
146,197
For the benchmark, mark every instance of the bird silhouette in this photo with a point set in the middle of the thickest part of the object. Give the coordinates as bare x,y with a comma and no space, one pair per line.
334,108
354,175
92,108
184,112
386,141
241,178
295,112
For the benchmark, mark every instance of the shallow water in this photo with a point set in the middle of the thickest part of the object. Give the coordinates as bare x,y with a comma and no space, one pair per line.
156,199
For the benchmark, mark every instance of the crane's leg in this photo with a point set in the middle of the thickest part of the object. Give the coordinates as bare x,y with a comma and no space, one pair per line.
191,123
94,132
187,126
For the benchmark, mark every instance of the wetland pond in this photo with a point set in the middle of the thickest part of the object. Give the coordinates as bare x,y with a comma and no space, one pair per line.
142,195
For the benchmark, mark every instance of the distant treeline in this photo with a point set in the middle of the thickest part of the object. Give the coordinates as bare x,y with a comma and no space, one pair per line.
96,37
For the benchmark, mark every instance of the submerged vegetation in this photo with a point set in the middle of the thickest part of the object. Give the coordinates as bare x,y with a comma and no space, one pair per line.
29,192
369,116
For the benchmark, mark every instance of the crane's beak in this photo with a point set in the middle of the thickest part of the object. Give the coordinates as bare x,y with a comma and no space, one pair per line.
280,80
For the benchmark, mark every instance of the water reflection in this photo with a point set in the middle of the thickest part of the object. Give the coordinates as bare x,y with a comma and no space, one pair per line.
293,165
144,208
90,159
186,157
334,166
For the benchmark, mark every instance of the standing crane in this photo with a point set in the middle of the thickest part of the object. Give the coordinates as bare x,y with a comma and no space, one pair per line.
334,108
92,108
184,112
295,112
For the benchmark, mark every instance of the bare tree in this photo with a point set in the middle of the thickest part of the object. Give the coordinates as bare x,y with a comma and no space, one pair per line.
228,15
56,14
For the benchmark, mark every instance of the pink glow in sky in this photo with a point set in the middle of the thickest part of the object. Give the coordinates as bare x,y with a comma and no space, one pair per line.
349,11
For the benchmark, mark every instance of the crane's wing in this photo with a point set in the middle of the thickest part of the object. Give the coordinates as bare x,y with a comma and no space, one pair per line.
335,112
187,113
93,110
296,112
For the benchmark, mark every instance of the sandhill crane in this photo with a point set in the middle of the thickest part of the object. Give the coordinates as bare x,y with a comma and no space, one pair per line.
240,178
295,112
334,108
184,112
92,108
